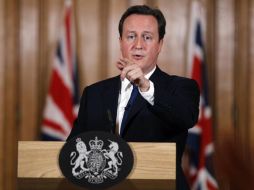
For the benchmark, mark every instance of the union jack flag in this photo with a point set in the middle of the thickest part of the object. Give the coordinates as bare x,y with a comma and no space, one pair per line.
200,143
62,98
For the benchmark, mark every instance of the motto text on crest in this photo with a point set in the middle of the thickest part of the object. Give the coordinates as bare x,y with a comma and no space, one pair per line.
96,164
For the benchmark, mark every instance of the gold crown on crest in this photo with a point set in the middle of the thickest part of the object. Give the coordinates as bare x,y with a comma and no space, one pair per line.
96,144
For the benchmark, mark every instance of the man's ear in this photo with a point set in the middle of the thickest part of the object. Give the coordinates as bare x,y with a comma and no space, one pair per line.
160,45
120,42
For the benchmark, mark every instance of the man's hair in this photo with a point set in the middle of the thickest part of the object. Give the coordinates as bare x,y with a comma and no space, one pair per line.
144,10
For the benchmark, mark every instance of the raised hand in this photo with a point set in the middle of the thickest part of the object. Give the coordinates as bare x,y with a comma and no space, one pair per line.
133,73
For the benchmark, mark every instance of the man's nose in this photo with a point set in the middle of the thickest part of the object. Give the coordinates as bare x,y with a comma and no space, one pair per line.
139,43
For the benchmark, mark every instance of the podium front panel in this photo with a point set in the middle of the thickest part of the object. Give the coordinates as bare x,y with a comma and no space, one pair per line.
154,167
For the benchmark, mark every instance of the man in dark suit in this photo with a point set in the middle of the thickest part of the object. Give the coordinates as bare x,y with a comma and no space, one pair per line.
143,104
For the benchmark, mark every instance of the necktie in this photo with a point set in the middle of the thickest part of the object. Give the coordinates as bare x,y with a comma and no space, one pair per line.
133,96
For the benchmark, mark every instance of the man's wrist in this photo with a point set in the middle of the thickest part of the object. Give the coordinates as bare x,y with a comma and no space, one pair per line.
148,95
146,86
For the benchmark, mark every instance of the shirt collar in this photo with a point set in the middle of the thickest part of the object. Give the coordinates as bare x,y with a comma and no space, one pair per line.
148,75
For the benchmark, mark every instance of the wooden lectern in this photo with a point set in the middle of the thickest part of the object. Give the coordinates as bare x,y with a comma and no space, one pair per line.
154,167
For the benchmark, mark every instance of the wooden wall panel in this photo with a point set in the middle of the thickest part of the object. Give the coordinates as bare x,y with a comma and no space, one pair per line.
50,20
172,58
89,41
211,64
2,81
242,72
11,94
103,37
136,2
116,9
29,64
251,75
224,45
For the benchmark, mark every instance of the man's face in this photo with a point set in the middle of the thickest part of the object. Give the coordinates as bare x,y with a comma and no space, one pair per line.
140,41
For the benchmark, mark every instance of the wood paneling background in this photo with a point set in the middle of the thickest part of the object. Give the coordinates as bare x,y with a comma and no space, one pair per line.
2,60
29,32
224,62
251,61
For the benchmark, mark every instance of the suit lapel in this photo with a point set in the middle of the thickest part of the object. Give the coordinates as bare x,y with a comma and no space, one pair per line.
110,98
156,76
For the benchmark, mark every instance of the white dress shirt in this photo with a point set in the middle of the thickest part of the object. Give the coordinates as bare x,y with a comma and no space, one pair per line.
124,96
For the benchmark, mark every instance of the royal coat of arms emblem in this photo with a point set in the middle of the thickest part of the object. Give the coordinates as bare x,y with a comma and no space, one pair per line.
96,159
97,163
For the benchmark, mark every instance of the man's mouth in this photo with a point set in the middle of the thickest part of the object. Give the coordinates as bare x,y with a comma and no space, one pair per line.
137,56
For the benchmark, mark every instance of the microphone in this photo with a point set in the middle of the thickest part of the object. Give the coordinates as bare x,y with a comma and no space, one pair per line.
110,119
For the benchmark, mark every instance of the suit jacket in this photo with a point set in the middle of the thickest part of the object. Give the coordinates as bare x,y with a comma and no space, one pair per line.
175,110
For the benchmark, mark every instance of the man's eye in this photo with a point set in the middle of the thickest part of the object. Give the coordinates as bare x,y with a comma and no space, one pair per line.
131,37
147,37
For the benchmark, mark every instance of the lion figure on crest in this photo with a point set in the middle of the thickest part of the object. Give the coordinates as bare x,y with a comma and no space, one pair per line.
81,158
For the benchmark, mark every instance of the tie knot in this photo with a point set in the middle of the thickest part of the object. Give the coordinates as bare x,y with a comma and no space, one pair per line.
135,87
134,91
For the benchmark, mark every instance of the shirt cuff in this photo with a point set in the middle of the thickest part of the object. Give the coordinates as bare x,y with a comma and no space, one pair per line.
149,95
